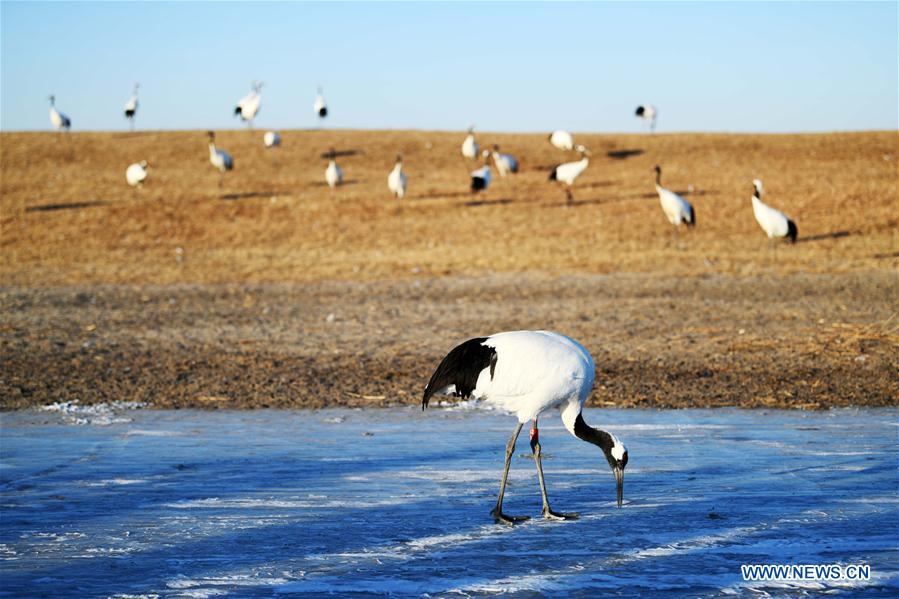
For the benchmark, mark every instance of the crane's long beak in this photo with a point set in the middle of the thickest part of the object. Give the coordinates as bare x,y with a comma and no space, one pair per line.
619,479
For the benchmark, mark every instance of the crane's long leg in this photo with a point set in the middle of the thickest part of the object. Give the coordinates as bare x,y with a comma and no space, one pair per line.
569,195
547,511
497,512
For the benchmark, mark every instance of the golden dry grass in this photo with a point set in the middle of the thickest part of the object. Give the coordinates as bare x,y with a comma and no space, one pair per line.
274,291
274,220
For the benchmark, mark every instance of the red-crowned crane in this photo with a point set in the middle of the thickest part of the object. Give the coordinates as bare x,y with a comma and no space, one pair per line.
529,373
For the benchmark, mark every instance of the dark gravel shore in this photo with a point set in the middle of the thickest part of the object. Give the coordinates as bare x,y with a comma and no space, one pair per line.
803,341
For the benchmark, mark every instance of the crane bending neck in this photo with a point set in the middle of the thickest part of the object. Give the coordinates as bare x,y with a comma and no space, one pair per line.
585,432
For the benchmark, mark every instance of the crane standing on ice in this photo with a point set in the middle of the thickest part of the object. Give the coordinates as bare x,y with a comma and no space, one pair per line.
528,373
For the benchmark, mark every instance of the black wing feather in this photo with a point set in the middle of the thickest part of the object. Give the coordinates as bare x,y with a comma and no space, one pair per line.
461,368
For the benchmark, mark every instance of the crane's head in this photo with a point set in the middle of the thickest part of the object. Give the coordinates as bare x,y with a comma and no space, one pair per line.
210,135
616,455
583,150
52,99
612,448
399,158
144,164
757,186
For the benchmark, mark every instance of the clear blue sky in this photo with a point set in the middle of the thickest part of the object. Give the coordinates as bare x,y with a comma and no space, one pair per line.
771,67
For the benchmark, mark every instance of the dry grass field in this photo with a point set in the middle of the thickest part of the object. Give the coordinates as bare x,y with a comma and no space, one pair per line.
271,290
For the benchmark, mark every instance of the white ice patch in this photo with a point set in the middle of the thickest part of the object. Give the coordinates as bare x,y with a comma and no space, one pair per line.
115,481
102,414
302,504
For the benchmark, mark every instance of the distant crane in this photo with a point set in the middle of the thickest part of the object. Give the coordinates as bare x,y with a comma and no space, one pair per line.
470,147
648,113
131,106
60,121
676,208
528,373
396,180
562,140
480,178
271,139
773,222
568,172
248,106
220,159
333,174
505,163
319,106
136,174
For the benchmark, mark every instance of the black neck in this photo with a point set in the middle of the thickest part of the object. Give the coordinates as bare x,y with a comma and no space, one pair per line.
756,192
659,178
585,432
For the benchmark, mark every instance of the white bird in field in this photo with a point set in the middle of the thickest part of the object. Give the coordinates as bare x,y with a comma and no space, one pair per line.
60,121
773,222
220,159
271,139
131,106
470,147
568,172
676,208
248,106
333,174
136,173
528,373
319,106
648,113
480,178
396,180
562,140
505,163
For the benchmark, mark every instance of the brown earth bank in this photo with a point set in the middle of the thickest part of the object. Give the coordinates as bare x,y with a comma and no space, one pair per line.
802,341
272,290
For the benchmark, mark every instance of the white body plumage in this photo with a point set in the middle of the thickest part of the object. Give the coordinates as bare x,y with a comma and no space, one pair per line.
136,173
480,178
537,371
505,163
648,113
569,172
248,107
130,108
470,147
59,121
562,140
271,139
220,159
677,210
773,222
396,180
319,106
333,174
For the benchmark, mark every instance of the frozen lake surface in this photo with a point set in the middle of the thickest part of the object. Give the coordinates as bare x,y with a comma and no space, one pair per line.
273,503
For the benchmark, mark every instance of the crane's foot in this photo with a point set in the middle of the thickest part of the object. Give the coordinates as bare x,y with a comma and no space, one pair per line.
551,515
501,518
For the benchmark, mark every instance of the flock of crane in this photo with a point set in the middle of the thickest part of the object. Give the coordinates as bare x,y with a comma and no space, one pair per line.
676,208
